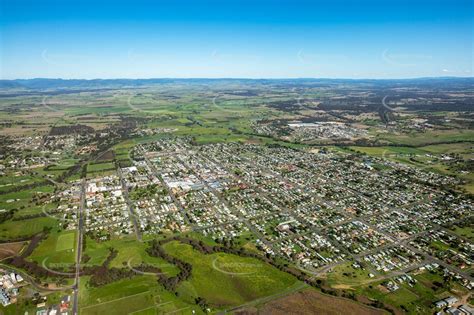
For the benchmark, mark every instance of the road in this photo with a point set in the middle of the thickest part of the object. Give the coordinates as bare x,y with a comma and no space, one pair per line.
32,281
80,230
404,242
133,215
395,241
158,175
234,210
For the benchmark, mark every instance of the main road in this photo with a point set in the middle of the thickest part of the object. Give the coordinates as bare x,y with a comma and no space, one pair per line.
80,229
131,211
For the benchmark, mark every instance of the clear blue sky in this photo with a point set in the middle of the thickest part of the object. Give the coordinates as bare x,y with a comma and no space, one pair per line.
254,39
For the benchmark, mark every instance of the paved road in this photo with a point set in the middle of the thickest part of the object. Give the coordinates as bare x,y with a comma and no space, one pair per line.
396,241
133,215
80,230
172,196
32,281
234,210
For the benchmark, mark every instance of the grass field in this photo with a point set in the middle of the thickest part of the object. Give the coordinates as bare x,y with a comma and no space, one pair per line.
23,228
225,279
65,241
58,248
99,167
430,137
130,253
139,295
19,199
467,232
346,275
11,181
35,209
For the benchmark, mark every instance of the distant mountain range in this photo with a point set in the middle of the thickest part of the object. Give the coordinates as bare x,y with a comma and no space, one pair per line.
44,84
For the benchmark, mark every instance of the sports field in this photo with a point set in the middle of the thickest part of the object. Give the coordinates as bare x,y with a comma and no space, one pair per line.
65,241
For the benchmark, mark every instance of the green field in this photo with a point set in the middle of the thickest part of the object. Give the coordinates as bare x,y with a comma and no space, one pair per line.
29,227
58,248
99,167
21,199
139,295
467,232
347,275
430,137
11,181
131,253
65,241
225,279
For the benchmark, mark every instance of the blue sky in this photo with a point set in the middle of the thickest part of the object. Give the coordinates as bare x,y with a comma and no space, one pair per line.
253,39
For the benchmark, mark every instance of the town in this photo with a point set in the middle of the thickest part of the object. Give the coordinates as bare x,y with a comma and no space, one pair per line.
179,212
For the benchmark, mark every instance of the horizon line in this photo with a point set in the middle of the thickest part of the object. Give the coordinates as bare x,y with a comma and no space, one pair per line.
243,78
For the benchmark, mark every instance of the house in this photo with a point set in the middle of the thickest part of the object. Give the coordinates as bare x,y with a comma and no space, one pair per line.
454,311
466,309
451,300
4,298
